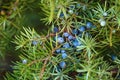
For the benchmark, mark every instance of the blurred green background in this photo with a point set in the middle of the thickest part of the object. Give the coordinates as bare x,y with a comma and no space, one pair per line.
15,14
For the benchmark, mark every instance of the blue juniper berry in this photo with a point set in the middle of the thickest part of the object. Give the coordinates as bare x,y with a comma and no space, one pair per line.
66,45
61,15
113,57
62,64
60,39
58,50
55,29
63,51
89,25
70,11
105,14
24,61
65,34
72,6
70,37
76,43
82,28
34,42
75,31
64,55
78,5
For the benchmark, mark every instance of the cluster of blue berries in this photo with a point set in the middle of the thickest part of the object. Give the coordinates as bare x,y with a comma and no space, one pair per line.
69,40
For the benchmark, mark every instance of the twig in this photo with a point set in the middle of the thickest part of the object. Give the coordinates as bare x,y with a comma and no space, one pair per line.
43,68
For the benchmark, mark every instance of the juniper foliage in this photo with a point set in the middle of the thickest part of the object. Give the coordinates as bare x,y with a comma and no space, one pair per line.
91,54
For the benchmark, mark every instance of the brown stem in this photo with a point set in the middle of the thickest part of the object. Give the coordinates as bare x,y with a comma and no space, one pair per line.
43,68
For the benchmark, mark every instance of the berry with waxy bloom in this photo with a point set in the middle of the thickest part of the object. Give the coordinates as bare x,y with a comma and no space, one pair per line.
24,61
60,39
34,43
62,64
82,28
66,45
65,34
64,55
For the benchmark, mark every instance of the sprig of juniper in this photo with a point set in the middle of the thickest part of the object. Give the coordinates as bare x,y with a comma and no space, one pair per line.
39,60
